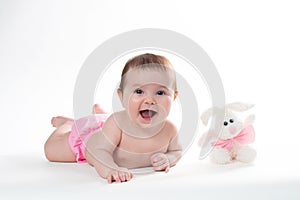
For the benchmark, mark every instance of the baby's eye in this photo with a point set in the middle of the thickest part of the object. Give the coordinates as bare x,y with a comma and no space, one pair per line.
225,123
231,120
138,91
161,92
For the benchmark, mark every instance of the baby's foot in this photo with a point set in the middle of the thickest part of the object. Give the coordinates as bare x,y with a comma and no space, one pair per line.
98,110
60,120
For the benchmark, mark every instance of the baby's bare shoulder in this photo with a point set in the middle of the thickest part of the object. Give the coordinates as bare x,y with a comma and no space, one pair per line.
111,128
113,118
171,128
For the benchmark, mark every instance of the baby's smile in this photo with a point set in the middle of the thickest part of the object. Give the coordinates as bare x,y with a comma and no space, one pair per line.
147,114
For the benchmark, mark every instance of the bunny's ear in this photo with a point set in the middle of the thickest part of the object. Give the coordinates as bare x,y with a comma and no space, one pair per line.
239,107
249,120
206,115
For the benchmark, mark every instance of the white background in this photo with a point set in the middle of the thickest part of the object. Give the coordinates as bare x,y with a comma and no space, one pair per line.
255,46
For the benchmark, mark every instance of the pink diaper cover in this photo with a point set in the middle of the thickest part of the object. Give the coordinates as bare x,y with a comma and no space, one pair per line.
81,131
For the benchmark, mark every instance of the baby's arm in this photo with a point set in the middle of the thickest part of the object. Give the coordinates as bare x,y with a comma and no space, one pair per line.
163,161
174,151
99,153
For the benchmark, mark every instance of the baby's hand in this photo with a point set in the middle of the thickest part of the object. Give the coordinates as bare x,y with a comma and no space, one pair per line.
119,175
160,162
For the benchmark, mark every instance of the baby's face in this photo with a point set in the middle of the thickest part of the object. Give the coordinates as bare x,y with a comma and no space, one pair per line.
147,96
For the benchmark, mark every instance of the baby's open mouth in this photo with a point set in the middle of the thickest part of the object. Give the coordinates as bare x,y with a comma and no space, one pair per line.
146,114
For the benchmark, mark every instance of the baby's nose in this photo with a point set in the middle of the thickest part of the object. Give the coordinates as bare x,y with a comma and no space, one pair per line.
150,100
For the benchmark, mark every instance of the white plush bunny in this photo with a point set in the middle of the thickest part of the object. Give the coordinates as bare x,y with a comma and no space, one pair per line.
235,136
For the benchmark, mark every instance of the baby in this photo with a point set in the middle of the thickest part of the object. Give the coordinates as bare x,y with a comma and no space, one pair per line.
138,136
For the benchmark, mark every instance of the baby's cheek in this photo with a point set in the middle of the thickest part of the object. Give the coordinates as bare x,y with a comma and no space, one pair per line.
132,99
167,103
135,99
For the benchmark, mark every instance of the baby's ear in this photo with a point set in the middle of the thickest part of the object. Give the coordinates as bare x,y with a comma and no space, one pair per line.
175,95
239,107
120,94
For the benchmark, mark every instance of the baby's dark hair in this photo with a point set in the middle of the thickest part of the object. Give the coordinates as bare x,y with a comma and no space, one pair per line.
146,61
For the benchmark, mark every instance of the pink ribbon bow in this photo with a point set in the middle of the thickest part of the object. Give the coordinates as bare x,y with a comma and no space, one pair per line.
246,136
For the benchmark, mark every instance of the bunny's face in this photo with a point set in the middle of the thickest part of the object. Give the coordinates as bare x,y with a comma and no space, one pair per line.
231,126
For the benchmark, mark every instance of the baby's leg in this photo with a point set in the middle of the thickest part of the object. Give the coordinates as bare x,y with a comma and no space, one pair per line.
59,120
98,110
57,147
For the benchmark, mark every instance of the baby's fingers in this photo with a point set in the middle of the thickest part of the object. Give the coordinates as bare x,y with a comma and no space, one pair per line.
110,179
159,162
125,176
167,169
114,176
163,167
119,176
156,157
128,176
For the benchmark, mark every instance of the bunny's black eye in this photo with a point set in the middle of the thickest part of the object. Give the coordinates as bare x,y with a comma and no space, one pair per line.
225,123
231,120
